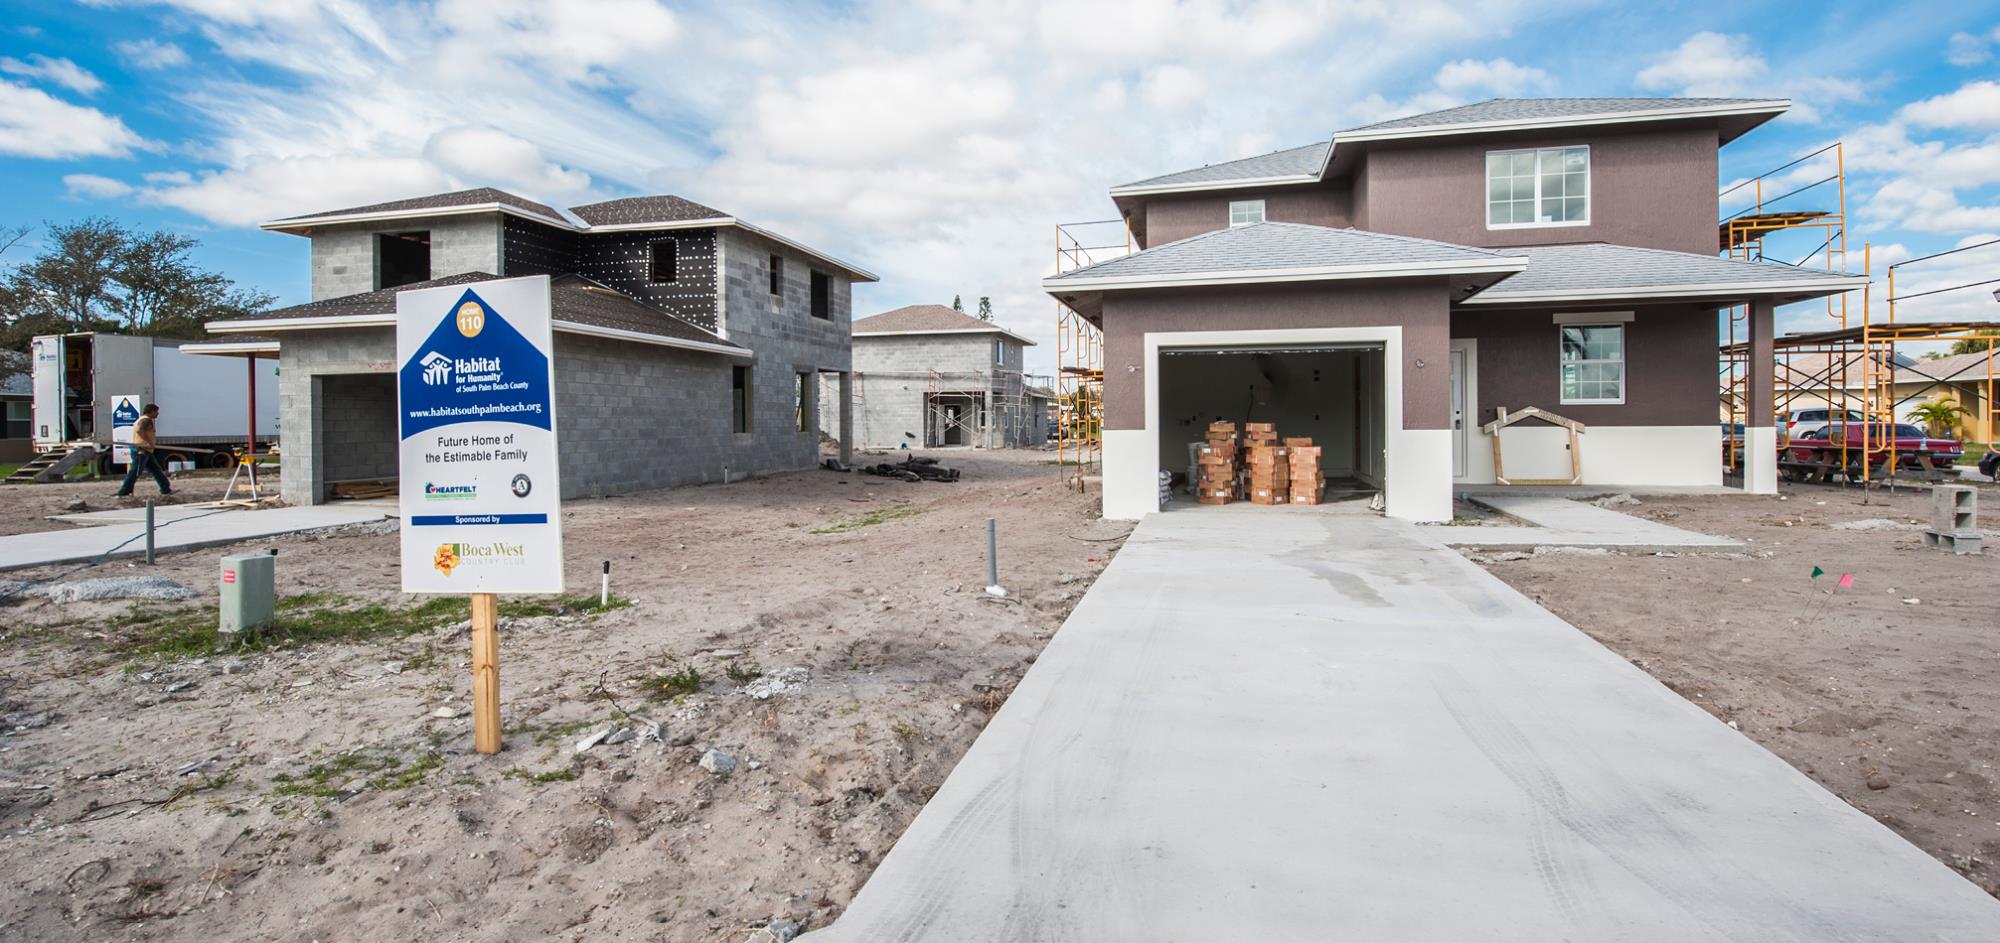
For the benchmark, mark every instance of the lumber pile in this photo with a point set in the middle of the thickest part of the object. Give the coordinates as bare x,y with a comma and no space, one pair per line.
1215,465
1266,466
364,490
1308,484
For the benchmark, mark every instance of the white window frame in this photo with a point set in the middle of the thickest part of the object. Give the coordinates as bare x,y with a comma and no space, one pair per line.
999,352
1245,205
1589,184
1623,378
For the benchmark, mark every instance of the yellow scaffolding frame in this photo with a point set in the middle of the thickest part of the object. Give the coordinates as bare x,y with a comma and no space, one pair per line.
1080,359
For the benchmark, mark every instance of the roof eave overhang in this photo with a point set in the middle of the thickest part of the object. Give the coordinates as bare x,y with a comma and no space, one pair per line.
230,348
337,322
956,330
1199,186
1765,107
1505,265
1793,290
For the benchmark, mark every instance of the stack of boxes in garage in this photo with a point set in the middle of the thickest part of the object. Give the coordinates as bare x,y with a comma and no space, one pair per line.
1215,464
1266,469
1307,484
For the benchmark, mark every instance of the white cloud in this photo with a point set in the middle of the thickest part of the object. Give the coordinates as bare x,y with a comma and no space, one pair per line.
34,123
95,187
62,72
151,54
1498,77
1974,106
485,155
291,186
1969,49
1172,87
1715,65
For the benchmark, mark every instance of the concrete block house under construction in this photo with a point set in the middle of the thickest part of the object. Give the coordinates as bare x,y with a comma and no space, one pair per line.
929,376
689,344
1386,291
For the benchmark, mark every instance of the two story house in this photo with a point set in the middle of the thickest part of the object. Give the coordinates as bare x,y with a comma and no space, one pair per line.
930,376
1385,292
689,344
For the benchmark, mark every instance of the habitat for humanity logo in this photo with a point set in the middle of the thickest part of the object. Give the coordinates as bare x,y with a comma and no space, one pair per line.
435,492
437,368
452,556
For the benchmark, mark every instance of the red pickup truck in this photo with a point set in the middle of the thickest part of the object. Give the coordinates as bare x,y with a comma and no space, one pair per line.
1822,448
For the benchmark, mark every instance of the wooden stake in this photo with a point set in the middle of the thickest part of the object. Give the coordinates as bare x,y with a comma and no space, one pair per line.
486,672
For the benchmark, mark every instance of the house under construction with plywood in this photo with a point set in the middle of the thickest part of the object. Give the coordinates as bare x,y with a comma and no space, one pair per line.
929,376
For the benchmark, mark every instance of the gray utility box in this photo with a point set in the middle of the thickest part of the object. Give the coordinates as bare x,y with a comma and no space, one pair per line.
1954,519
248,600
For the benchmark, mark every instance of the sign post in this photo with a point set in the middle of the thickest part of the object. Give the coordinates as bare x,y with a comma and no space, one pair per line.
478,485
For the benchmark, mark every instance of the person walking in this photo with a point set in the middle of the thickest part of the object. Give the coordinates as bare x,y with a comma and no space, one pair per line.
145,440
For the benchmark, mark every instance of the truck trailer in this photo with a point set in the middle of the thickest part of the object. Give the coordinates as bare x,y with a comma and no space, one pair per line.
89,387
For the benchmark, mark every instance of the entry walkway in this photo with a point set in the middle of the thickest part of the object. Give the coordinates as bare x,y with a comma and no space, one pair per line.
188,529
1561,522
1310,723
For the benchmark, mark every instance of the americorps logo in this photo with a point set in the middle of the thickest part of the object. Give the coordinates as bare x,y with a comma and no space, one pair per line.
437,492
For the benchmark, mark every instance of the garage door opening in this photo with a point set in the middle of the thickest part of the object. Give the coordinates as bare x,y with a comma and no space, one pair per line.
356,441
1331,394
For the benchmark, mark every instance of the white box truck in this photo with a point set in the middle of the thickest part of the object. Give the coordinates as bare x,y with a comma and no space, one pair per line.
89,387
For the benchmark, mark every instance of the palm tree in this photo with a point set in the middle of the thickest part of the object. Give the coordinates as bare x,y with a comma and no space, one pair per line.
1941,417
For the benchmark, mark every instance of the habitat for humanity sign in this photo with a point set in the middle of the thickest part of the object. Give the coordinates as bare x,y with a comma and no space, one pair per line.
475,385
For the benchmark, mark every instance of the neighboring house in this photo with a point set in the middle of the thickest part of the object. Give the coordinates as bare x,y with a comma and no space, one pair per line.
688,343
17,401
928,376
1385,291
1962,378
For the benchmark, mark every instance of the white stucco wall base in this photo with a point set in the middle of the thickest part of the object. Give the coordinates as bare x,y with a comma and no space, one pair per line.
1418,465
1131,474
1760,459
1612,455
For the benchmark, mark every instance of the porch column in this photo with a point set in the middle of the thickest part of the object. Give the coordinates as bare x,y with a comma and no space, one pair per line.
1760,438
846,417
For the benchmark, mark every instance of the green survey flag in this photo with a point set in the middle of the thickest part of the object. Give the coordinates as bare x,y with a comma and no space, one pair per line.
1817,573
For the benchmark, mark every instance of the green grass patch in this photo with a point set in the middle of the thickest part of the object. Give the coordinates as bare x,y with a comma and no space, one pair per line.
564,775
380,770
669,686
882,515
744,671
1974,451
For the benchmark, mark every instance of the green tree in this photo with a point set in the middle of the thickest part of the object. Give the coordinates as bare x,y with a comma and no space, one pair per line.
1941,417
957,304
985,308
1974,345
96,275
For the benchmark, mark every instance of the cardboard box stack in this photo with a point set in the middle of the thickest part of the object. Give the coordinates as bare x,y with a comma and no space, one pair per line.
1266,470
1216,465
1307,485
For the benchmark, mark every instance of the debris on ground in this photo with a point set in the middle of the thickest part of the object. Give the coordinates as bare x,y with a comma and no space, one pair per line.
717,762
914,468
773,683
1620,500
1877,523
115,587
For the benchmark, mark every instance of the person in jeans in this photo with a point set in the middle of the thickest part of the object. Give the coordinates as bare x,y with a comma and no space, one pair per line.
145,439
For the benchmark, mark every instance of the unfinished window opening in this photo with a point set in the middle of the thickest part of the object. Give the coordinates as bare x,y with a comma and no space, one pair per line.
822,295
777,275
1593,364
663,263
402,258
1245,212
739,398
802,402
999,352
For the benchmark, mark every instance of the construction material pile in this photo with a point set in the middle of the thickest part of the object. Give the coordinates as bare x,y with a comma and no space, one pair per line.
914,468
1259,470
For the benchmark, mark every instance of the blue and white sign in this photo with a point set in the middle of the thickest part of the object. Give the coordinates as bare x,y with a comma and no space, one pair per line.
124,419
475,403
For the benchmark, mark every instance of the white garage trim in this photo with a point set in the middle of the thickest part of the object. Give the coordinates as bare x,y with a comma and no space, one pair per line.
1417,462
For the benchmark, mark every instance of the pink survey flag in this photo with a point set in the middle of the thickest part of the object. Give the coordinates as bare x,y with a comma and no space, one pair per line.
1846,580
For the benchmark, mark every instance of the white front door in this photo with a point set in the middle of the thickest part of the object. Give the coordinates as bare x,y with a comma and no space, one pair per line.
1460,414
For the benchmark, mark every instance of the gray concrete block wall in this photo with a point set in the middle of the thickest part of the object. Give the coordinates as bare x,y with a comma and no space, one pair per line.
357,426
632,417
893,376
786,339
344,262
309,359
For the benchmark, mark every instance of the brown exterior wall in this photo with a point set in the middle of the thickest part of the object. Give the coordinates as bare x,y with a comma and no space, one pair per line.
1670,365
1652,188
1172,218
1419,307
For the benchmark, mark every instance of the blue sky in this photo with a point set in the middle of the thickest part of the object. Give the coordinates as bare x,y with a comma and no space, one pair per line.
934,143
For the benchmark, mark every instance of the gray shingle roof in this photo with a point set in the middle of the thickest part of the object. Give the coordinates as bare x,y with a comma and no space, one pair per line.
929,319
635,210
1276,247
572,297
1542,109
1598,269
436,201
1297,161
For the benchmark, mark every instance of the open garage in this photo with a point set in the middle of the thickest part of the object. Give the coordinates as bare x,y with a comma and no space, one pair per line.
1331,394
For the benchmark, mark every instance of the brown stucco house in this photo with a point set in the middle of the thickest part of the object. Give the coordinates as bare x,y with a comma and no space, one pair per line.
1386,291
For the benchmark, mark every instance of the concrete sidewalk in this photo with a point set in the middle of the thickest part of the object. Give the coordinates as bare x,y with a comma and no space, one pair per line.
189,529
1561,522
1312,723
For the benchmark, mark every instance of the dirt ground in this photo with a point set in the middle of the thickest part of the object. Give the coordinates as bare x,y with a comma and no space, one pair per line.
328,790
25,509
1886,692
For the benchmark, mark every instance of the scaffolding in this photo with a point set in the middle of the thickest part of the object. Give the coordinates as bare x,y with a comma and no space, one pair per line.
987,408
1080,352
1850,367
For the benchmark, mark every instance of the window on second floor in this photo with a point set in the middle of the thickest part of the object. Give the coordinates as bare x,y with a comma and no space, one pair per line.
777,275
1245,212
402,258
1593,363
1545,186
662,261
999,352
822,295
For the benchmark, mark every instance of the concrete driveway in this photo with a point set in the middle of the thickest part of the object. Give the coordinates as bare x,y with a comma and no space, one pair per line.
1312,724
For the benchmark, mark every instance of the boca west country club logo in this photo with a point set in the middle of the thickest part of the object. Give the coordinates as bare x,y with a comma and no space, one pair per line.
450,557
437,492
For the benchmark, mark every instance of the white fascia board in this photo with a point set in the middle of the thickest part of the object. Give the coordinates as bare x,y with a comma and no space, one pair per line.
956,330
229,348
1769,106
1239,183
286,225
1706,290
1502,265
641,337
302,324
854,273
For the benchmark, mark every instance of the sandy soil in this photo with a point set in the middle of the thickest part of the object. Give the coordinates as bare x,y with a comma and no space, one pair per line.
25,509
902,655
1884,692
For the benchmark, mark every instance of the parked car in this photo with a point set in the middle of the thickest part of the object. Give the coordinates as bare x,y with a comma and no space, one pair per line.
1808,421
1839,444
